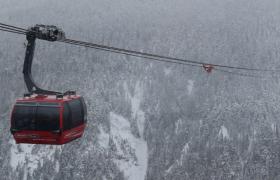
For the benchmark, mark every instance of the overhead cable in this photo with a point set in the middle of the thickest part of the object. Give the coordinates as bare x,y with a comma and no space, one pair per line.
156,57
103,47
12,31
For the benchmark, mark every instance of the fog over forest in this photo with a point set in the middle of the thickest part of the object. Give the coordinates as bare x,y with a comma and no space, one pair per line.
150,120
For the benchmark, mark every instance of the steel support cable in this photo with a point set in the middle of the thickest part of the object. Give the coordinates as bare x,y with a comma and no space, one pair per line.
14,27
18,30
141,56
154,55
200,65
162,60
134,55
12,31
167,57
9,29
120,51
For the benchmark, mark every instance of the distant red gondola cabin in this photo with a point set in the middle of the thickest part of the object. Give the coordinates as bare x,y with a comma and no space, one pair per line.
48,119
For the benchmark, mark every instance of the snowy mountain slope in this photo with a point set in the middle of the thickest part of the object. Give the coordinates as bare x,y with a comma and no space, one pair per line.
150,120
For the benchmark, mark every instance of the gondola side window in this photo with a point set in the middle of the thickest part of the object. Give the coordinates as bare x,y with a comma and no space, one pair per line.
37,118
22,117
47,118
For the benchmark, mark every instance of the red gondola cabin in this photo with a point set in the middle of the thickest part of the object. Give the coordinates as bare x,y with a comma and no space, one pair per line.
43,116
48,119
